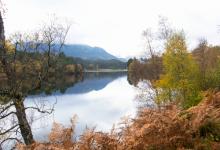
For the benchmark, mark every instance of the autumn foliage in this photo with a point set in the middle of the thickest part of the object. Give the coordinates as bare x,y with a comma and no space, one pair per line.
163,128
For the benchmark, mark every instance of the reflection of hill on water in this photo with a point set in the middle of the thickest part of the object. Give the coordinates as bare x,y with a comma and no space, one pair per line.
93,81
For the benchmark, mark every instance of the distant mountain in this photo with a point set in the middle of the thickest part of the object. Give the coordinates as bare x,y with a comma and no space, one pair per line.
123,59
87,52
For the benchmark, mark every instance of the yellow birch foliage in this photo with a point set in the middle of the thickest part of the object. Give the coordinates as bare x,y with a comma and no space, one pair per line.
180,79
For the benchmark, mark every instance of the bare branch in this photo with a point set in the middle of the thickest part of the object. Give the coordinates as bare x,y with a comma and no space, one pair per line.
6,115
9,139
8,130
3,109
165,30
41,111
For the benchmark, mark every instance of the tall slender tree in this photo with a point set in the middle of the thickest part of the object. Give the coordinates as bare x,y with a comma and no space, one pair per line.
180,80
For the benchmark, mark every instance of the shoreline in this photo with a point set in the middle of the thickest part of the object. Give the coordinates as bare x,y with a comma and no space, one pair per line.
106,70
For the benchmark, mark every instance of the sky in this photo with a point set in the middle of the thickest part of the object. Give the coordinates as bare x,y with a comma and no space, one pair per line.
117,25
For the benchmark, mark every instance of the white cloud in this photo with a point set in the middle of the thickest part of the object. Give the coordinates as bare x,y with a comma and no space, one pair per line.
116,25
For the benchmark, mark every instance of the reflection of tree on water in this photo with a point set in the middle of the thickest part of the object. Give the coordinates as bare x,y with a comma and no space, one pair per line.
146,69
146,90
145,95
143,74
94,81
59,83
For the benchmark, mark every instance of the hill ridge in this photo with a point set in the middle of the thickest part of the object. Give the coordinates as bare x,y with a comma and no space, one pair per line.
87,52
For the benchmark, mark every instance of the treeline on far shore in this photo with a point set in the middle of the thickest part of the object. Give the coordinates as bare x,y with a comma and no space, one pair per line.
206,57
179,75
59,63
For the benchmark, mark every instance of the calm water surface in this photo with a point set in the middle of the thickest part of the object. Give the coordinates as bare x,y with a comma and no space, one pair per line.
99,100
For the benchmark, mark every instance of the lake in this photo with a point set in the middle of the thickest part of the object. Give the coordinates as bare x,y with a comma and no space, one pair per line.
99,100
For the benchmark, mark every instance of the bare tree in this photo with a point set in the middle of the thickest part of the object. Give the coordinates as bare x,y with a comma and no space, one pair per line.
200,54
153,64
164,30
153,59
151,39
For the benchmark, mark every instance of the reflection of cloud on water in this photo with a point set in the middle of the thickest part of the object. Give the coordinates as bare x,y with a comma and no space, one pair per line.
100,108
146,94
